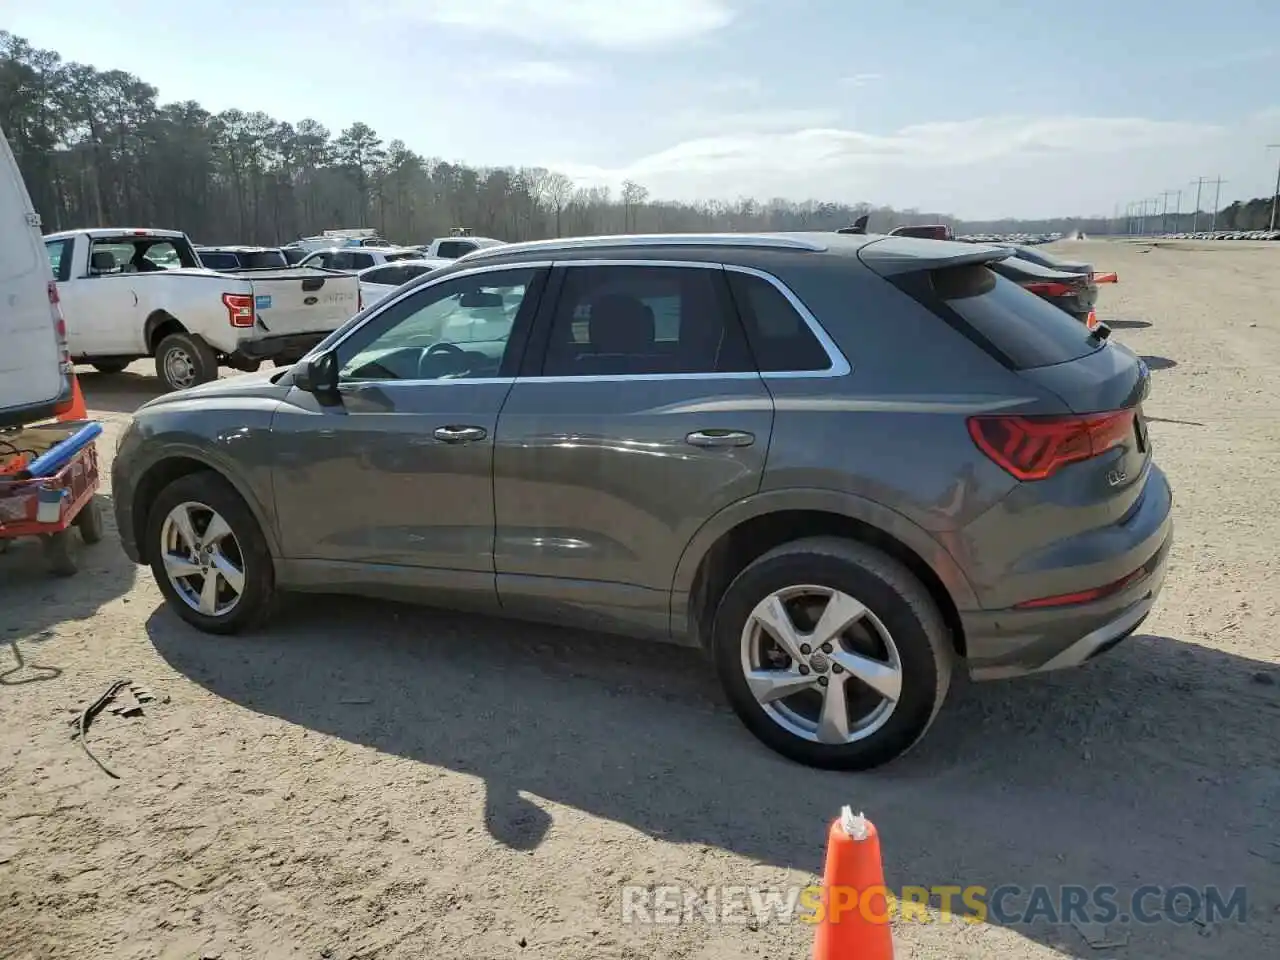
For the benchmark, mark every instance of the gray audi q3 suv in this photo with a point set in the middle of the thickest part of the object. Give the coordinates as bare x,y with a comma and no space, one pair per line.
844,465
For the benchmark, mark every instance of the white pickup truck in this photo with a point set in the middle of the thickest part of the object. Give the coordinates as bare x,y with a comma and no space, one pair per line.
128,294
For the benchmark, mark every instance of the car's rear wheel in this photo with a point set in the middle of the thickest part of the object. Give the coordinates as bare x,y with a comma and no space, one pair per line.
184,360
832,653
209,556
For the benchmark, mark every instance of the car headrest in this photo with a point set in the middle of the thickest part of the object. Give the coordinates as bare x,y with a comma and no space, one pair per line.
621,324
102,261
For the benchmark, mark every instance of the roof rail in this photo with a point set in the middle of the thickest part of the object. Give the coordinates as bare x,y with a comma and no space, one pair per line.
775,241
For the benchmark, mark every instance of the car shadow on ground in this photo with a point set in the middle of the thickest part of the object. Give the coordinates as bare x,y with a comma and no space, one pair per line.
1128,324
1158,363
118,392
1156,764
34,601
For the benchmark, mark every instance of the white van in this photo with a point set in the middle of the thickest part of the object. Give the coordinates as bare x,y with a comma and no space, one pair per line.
35,369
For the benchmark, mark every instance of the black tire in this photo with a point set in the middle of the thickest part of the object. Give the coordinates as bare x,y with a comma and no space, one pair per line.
189,352
60,553
212,491
89,520
890,592
110,366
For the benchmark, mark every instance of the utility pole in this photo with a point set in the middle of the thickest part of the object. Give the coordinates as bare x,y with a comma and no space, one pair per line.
1217,196
1195,214
1275,198
1164,211
1177,214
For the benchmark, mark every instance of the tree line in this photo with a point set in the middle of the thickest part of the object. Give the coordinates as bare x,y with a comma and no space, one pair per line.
97,148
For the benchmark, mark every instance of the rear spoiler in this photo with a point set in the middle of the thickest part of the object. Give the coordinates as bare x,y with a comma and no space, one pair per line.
891,256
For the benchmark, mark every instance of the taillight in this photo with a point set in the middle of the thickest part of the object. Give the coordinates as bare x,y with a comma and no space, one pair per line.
1050,289
1034,448
239,308
60,329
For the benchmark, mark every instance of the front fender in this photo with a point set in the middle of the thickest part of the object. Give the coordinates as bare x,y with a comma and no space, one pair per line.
239,450
874,514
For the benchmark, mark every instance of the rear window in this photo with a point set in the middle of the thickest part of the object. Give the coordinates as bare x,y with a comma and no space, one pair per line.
264,259
218,261
1027,331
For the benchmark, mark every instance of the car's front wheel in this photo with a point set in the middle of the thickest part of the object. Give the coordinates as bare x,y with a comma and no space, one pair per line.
832,653
208,554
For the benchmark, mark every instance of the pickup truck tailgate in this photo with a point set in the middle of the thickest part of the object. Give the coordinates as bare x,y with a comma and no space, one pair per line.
297,300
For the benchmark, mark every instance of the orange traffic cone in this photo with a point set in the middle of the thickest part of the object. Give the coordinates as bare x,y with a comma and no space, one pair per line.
854,924
76,410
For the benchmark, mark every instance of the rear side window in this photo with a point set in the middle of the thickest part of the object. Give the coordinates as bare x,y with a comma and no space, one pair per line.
59,258
1021,328
641,321
779,336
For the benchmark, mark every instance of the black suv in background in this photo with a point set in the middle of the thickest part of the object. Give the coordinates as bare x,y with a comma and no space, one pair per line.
242,258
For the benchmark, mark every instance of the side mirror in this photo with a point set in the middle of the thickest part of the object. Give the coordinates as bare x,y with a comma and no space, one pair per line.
319,375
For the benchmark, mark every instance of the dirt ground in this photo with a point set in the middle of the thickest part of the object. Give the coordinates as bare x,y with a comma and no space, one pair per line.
364,780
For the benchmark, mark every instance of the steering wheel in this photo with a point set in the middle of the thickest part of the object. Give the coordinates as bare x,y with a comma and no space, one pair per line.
450,348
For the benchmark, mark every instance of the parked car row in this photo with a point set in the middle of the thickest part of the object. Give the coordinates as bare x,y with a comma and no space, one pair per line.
1225,235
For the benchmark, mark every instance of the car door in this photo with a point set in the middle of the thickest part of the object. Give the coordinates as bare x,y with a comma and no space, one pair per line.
101,307
642,417
393,484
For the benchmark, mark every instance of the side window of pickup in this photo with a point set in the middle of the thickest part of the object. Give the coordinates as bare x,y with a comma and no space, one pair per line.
59,252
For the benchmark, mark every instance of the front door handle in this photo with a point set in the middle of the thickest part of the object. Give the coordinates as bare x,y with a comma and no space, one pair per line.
720,438
459,434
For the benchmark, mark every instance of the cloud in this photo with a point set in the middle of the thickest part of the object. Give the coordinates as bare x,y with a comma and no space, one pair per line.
981,167
734,86
540,73
861,79
702,122
611,24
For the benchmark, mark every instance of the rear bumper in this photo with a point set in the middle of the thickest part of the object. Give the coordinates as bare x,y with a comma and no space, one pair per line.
1014,642
285,347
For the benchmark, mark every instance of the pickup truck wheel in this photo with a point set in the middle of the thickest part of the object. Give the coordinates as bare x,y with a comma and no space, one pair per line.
183,360
110,366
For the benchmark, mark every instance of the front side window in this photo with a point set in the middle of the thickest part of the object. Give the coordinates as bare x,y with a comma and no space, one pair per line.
459,329
642,320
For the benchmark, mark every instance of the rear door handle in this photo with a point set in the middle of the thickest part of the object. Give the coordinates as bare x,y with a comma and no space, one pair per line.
720,438
459,434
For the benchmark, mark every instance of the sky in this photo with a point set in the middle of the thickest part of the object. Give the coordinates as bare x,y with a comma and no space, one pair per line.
980,108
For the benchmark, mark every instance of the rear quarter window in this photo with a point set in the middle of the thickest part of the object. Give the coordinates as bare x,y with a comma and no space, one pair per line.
1020,328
